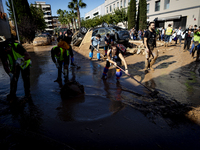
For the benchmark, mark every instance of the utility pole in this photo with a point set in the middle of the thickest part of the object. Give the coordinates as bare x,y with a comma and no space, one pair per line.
15,21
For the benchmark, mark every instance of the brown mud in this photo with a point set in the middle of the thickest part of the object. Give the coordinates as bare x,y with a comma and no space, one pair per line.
110,115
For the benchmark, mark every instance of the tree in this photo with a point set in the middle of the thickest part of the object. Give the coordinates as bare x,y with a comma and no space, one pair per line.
63,17
29,19
71,16
120,15
143,14
131,14
76,4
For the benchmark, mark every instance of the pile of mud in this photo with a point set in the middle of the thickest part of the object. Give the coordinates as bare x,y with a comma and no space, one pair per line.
72,89
162,106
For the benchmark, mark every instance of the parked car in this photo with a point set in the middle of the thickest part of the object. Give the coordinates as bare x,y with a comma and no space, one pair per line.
119,35
41,39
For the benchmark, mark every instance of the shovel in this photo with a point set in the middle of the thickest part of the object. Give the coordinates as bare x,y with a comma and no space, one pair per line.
152,94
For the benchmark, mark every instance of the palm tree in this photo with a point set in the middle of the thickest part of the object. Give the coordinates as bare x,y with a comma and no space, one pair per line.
76,4
64,17
71,16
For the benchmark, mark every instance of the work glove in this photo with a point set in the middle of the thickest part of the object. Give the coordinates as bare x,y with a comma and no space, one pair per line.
57,65
72,59
19,61
11,76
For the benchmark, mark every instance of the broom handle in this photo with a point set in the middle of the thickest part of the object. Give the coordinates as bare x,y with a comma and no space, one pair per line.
133,78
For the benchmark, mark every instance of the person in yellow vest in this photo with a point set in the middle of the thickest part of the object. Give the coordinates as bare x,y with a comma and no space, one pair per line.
168,33
60,56
16,59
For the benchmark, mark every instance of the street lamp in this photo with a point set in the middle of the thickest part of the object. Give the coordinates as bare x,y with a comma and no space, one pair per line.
15,21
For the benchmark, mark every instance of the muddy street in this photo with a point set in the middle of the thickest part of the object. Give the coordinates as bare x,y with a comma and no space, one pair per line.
110,115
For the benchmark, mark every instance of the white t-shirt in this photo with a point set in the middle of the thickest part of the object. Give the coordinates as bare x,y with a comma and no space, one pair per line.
163,31
179,32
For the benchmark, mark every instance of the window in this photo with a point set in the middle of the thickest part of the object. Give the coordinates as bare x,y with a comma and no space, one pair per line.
167,2
157,5
110,8
102,32
95,14
121,4
114,6
124,3
147,8
117,4
94,32
107,9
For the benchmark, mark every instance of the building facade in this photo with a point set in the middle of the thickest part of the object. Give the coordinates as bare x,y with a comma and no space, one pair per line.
98,11
47,14
4,23
176,12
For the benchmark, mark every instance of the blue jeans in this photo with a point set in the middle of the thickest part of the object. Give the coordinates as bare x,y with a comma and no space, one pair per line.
162,37
167,38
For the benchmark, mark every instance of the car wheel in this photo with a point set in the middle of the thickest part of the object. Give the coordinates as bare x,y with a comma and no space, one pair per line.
104,24
83,30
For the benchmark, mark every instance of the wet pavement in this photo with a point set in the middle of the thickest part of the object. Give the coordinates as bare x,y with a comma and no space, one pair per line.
110,115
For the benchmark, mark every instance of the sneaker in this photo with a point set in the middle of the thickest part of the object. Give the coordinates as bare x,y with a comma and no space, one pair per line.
146,71
73,65
151,69
103,77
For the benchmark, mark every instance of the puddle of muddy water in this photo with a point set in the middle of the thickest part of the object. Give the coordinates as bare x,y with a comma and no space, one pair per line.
103,114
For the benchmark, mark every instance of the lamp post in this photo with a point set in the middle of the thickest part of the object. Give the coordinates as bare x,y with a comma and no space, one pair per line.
15,21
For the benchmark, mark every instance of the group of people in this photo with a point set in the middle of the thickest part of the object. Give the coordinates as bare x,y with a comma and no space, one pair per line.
191,35
16,59
135,35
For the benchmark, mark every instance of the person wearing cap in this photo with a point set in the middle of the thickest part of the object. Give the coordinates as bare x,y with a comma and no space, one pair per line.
16,59
67,37
108,42
95,41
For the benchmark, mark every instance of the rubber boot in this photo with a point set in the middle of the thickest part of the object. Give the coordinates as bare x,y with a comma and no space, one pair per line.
197,58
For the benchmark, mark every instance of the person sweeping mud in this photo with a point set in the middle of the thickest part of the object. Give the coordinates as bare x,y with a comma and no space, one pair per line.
95,41
67,37
150,44
115,57
60,56
16,59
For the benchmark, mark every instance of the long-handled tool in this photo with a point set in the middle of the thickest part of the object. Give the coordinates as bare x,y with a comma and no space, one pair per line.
97,50
152,94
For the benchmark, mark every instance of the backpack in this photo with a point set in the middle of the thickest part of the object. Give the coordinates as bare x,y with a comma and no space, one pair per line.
121,48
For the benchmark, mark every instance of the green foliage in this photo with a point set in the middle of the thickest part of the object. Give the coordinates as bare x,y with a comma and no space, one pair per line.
29,19
76,5
143,14
115,18
131,14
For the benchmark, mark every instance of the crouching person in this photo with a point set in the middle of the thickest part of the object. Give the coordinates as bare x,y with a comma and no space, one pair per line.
114,57
16,59
60,56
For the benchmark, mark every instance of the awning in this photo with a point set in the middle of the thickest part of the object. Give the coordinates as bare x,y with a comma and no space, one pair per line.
169,18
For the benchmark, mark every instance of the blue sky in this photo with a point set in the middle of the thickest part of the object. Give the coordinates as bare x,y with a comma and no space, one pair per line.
62,4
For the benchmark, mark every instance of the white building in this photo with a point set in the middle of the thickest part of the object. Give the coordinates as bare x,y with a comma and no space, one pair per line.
47,14
98,11
176,12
